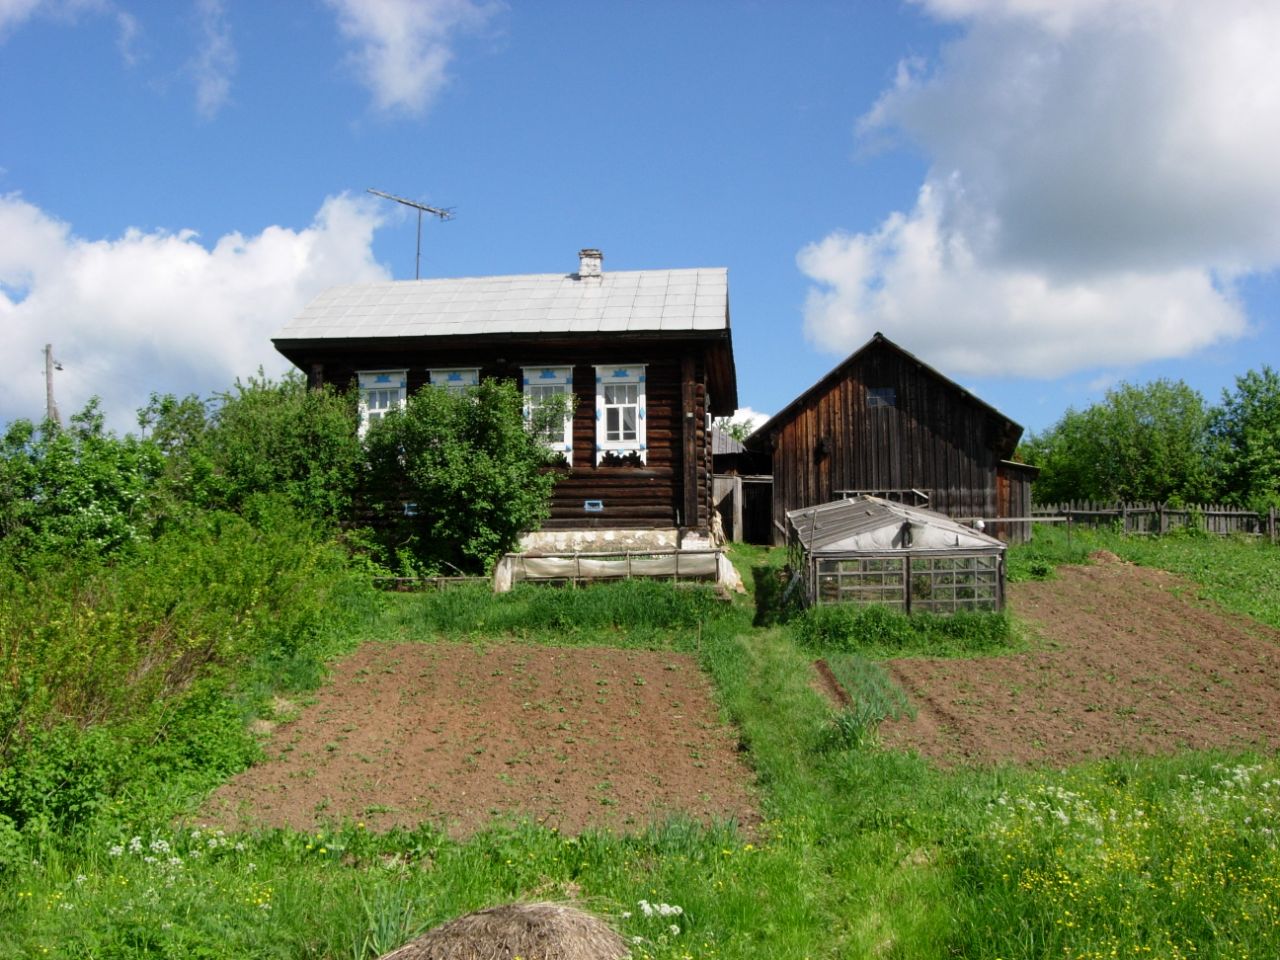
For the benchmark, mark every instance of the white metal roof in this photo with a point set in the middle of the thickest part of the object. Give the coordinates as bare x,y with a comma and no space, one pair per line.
872,525
619,301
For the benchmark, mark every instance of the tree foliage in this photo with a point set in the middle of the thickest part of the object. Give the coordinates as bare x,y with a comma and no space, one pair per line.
75,490
1247,426
262,436
1148,442
473,472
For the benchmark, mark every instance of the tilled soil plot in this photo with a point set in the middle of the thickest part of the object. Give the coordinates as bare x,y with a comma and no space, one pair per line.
458,735
1130,663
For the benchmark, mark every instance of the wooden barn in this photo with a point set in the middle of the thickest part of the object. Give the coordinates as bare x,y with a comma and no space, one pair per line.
646,355
886,424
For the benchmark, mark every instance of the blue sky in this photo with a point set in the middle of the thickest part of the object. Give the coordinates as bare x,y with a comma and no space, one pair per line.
1040,197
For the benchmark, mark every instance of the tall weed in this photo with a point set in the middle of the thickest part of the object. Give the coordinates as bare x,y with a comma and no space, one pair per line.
144,649
879,632
627,613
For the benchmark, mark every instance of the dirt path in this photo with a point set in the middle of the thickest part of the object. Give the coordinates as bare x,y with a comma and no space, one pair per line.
458,735
1131,662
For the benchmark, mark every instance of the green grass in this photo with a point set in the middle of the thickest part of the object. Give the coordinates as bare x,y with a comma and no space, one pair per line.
862,852
1051,546
879,632
630,613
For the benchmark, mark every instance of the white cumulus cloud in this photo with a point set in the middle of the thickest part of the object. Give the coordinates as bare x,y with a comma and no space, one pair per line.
403,47
159,311
1101,173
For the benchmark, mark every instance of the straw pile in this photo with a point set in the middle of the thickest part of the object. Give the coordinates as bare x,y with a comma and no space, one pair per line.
531,931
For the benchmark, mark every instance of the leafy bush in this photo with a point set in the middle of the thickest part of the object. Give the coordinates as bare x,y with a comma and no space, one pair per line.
79,490
473,470
262,437
875,630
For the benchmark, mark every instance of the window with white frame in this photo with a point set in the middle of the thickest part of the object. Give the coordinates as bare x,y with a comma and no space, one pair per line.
542,387
380,391
620,413
454,378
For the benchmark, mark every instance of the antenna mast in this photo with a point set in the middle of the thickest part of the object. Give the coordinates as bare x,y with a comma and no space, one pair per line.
50,365
444,213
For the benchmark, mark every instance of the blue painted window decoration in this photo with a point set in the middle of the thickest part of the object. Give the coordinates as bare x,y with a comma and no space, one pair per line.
380,392
454,378
541,384
620,412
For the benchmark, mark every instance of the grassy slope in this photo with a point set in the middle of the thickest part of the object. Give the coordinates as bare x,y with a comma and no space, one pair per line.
862,852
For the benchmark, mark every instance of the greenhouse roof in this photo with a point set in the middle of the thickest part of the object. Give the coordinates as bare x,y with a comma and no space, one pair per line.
872,525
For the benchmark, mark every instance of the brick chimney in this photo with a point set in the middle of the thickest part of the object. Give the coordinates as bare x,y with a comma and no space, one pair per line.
590,263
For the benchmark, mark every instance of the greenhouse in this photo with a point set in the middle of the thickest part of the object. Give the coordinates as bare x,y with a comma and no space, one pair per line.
868,550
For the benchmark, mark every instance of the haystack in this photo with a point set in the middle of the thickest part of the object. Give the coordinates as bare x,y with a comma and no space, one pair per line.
531,931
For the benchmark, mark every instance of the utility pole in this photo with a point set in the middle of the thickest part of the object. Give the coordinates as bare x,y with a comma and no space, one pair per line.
50,365
444,213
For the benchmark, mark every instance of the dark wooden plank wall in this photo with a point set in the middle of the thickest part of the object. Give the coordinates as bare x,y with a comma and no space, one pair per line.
1013,490
652,496
933,439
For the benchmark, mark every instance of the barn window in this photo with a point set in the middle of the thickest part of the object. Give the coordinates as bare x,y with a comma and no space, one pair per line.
620,414
542,385
454,378
380,391
878,397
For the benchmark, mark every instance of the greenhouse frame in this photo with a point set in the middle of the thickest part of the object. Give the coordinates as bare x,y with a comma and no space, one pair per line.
868,550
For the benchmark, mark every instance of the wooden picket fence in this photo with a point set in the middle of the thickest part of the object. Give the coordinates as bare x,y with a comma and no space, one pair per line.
1156,518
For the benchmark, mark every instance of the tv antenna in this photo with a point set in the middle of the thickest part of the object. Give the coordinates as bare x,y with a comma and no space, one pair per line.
444,213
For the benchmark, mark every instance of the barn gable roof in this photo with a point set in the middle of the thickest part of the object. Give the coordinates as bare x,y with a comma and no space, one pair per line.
1009,433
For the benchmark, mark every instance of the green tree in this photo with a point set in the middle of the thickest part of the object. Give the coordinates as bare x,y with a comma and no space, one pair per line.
262,436
1149,442
473,470
81,489
1248,426
737,429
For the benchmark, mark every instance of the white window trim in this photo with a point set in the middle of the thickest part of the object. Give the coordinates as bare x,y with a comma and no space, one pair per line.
621,373
454,378
368,380
551,377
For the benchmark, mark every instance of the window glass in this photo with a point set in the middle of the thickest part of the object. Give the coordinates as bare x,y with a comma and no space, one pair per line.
543,385
380,391
620,414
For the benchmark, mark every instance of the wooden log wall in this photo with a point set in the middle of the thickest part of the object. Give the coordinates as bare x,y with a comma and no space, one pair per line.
655,495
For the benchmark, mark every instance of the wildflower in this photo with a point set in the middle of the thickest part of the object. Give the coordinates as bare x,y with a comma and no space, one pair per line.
626,914
675,930
115,850
135,845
